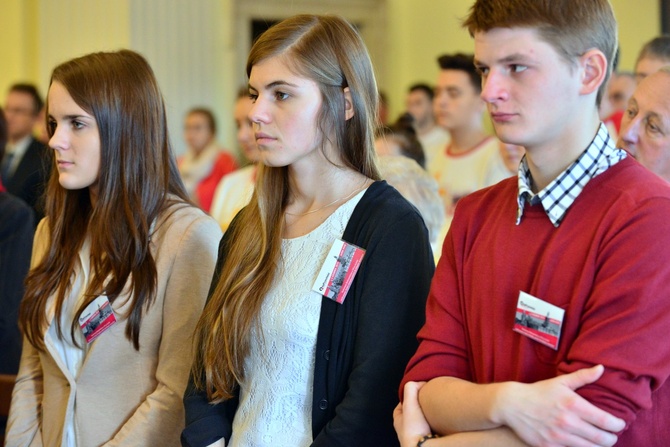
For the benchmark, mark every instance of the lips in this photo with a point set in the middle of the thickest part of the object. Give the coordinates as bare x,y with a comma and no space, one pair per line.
64,164
501,117
262,137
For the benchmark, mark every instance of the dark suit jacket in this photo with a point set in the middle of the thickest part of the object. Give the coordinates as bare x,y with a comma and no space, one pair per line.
16,241
30,177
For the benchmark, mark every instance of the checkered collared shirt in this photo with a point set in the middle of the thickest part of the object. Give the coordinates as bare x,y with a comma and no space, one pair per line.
561,193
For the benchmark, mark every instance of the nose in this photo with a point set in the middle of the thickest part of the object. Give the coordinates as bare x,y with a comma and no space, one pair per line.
259,112
59,139
630,130
493,87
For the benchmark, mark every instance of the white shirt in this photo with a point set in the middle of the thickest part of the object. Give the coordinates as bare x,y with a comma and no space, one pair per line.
275,407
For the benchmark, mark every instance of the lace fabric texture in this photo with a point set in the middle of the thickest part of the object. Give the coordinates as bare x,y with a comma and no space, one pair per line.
276,398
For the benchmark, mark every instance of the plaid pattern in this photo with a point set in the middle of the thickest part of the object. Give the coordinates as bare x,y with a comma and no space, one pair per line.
561,193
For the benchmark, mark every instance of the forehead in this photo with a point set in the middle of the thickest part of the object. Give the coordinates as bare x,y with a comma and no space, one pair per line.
500,44
418,95
272,69
17,97
653,94
452,77
650,65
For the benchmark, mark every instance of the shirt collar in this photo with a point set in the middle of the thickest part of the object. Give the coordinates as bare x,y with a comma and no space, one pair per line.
559,195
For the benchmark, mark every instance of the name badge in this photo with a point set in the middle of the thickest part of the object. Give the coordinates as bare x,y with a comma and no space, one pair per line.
96,318
538,320
338,270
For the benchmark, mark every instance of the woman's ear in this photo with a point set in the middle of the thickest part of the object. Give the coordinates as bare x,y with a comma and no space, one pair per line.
348,104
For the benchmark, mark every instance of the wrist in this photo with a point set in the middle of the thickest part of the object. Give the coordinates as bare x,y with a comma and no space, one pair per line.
422,441
500,401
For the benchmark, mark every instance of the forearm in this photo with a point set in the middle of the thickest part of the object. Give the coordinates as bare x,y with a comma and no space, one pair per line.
452,405
503,437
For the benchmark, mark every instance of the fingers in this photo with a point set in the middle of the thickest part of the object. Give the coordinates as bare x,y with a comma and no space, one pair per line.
582,377
411,393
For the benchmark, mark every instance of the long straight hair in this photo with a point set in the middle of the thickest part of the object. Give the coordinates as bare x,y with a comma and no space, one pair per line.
137,172
329,51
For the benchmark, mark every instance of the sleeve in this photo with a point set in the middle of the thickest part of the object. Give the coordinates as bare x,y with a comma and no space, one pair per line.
16,241
24,422
442,340
159,417
206,422
626,315
391,292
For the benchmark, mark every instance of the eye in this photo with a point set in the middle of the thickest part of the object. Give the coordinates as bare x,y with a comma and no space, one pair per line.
653,128
281,96
483,71
517,68
76,124
253,96
631,112
51,125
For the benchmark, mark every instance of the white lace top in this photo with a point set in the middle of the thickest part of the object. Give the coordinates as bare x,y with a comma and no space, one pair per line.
276,399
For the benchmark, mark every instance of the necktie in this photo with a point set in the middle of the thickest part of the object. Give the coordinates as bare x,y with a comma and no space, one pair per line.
6,164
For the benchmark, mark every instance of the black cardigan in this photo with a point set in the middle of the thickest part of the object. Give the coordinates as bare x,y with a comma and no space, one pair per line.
363,344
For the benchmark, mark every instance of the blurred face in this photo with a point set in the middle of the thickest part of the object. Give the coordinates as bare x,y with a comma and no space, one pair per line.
75,140
420,106
457,103
284,114
647,66
197,133
245,131
619,91
387,146
529,89
511,155
20,114
645,127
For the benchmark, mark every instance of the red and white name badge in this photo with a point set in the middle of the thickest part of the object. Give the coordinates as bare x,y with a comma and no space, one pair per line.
338,270
538,320
96,318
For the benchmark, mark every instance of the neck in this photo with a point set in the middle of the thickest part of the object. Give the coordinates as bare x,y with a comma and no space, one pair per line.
424,127
464,139
14,140
546,161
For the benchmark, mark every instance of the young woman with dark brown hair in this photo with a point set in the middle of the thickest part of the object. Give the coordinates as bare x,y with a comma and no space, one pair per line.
120,268
284,364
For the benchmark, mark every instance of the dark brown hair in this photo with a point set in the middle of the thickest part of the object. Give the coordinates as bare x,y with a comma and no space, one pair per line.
463,62
572,27
137,172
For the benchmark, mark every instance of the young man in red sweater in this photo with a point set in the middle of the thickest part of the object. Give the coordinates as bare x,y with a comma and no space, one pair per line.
545,319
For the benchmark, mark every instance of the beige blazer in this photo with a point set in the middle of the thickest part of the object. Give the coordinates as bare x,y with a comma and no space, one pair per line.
124,397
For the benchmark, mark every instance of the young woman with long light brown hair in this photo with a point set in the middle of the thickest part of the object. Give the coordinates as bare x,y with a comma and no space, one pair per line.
120,268
277,362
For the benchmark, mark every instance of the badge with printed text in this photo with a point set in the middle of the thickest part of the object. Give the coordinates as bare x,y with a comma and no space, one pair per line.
96,318
538,320
338,270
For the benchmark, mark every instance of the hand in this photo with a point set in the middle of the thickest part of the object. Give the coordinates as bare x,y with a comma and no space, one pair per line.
408,419
550,413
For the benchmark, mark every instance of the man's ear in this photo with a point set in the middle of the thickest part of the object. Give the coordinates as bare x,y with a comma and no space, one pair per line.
593,64
348,104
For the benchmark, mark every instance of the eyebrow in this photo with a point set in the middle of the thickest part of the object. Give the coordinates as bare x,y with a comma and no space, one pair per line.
514,57
275,84
70,117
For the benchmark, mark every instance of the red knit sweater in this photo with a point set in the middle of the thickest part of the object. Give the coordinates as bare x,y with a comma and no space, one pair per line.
607,265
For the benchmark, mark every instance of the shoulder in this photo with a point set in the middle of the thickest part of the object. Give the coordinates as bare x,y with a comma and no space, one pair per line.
628,184
381,209
181,221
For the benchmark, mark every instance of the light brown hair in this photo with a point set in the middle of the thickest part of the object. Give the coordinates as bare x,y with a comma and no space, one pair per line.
327,50
571,27
137,171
